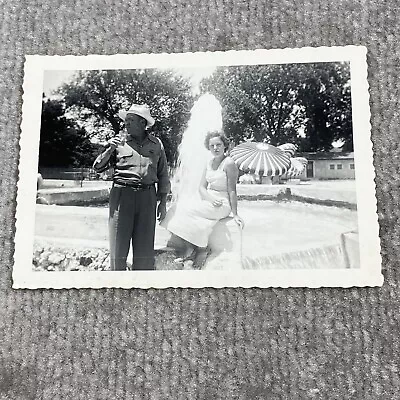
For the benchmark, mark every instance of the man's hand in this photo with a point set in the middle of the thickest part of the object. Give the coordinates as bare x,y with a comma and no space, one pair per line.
115,142
161,210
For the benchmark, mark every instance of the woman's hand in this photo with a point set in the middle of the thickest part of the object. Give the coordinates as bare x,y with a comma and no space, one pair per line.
239,221
216,203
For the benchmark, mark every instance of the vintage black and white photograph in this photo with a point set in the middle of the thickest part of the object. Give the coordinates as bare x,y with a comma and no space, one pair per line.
246,168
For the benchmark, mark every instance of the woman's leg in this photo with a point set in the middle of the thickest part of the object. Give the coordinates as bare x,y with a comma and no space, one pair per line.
201,257
188,252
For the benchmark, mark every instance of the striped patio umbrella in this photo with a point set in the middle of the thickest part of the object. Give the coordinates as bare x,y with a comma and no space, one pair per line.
289,148
260,158
297,167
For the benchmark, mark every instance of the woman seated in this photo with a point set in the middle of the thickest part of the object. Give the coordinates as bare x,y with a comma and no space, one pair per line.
193,221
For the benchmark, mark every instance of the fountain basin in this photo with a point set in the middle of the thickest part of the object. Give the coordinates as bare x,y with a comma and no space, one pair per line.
273,231
73,195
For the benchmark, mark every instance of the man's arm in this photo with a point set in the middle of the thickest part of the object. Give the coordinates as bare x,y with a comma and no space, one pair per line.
164,185
102,162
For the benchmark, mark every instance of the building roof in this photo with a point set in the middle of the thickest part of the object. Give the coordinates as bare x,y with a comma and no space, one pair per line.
327,155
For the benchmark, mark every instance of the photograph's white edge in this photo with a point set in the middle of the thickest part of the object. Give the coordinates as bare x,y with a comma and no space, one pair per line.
368,275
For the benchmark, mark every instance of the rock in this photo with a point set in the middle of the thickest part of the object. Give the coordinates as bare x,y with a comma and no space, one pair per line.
41,200
351,250
225,245
35,267
85,261
72,265
37,252
56,258
66,259
224,261
42,261
226,236
39,181
188,265
285,194
45,255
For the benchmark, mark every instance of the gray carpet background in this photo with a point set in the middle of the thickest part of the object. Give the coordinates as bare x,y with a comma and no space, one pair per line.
208,343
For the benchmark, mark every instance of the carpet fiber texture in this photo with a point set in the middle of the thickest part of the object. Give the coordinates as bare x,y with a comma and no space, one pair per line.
202,344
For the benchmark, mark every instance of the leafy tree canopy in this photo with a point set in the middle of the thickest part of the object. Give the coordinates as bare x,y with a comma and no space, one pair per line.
95,97
305,104
62,142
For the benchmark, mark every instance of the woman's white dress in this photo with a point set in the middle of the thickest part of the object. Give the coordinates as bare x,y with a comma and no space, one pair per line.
194,220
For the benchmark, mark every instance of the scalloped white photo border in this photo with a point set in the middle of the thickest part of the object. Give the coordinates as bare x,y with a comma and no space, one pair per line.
369,274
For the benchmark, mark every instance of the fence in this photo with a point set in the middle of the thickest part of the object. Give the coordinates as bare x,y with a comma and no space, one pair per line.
75,174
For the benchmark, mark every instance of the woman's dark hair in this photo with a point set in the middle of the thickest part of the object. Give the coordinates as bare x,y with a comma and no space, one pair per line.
217,134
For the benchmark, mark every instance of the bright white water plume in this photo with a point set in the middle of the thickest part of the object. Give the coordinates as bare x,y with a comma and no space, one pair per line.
205,117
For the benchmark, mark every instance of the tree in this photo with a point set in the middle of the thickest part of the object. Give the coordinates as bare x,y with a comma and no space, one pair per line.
258,102
95,98
62,142
305,104
326,97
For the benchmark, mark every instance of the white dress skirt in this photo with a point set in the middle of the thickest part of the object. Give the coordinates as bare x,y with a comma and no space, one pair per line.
195,220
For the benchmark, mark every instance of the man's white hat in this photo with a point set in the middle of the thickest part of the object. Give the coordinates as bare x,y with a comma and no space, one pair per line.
142,110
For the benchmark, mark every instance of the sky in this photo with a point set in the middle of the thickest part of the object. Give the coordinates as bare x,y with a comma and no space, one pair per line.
53,79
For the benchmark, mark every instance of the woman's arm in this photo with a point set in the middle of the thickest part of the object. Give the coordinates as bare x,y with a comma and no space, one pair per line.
203,188
232,174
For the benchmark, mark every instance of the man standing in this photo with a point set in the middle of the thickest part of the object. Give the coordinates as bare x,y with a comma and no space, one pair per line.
139,163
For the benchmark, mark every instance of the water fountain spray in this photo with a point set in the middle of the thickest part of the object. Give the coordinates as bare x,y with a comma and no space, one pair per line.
193,156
